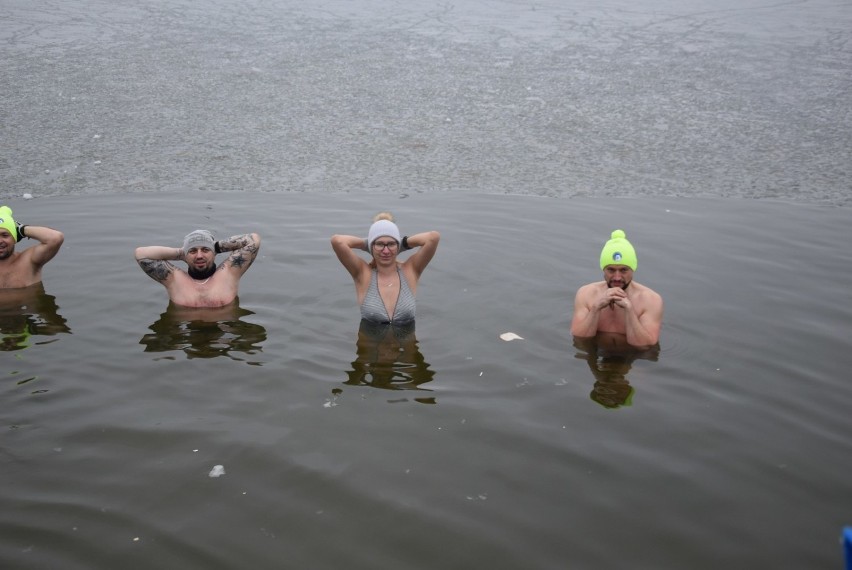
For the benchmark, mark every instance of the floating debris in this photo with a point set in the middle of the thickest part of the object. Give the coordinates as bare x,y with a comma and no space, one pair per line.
217,471
508,336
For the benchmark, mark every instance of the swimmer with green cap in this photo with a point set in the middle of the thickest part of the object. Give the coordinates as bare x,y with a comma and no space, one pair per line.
20,269
618,304
203,283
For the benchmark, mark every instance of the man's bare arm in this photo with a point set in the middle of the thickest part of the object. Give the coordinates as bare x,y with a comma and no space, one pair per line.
153,261
157,269
244,250
584,322
644,329
50,241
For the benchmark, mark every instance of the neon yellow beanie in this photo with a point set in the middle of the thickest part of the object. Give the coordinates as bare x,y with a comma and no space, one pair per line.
7,222
618,251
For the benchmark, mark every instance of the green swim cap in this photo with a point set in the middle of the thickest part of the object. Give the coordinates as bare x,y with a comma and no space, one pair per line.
618,251
7,222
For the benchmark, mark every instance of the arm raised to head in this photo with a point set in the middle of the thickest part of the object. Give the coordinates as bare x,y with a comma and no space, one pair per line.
244,249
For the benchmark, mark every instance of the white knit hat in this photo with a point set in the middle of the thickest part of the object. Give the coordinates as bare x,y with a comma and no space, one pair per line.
382,228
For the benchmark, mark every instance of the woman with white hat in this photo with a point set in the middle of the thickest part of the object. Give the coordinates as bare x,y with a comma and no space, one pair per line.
385,287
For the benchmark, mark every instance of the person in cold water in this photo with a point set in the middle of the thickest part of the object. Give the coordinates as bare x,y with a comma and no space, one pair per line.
386,287
618,304
203,284
20,269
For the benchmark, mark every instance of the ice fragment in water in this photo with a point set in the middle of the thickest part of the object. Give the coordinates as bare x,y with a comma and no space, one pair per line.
217,471
507,336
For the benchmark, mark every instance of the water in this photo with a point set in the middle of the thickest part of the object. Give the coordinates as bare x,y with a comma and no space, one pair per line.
734,437
133,124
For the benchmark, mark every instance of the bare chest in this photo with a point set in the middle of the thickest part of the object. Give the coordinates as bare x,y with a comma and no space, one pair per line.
18,274
206,293
611,320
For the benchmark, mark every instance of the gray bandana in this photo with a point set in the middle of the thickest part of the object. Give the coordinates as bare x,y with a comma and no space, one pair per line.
198,238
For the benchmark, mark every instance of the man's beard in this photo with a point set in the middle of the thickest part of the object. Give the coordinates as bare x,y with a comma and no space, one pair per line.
199,275
623,287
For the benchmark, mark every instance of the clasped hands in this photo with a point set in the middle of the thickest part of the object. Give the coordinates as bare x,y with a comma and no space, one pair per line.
614,297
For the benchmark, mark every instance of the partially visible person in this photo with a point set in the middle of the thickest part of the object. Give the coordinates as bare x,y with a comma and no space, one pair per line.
23,268
203,284
618,304
385,287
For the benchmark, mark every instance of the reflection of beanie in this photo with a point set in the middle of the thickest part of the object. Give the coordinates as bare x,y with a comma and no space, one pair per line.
198,238
15,341
382,228
618,251
7,222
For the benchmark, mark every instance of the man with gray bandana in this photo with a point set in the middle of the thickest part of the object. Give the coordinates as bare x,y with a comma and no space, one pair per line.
203,284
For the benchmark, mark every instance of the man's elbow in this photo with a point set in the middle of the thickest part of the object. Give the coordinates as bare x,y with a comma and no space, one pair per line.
644,343
580,332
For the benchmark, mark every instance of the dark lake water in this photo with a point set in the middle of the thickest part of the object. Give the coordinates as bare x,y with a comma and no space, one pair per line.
531,453
717,135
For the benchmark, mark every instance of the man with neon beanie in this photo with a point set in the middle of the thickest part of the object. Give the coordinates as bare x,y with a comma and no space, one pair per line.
618,304
19,269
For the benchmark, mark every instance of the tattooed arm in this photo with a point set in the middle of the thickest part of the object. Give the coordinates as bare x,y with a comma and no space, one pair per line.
244,250
153,261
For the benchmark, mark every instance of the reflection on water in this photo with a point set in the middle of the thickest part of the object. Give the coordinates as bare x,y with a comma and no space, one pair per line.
206,332
389,357
26,313
610,359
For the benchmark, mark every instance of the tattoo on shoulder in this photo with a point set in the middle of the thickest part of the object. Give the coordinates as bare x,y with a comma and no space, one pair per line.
157,269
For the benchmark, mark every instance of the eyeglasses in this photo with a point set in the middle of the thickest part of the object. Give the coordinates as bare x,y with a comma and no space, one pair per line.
391,245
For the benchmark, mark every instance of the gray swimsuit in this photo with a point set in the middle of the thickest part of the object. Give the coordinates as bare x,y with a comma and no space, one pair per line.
373,308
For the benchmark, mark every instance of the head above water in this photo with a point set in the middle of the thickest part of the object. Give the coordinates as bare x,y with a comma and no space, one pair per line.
383,226
198,238
7,222
618,251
